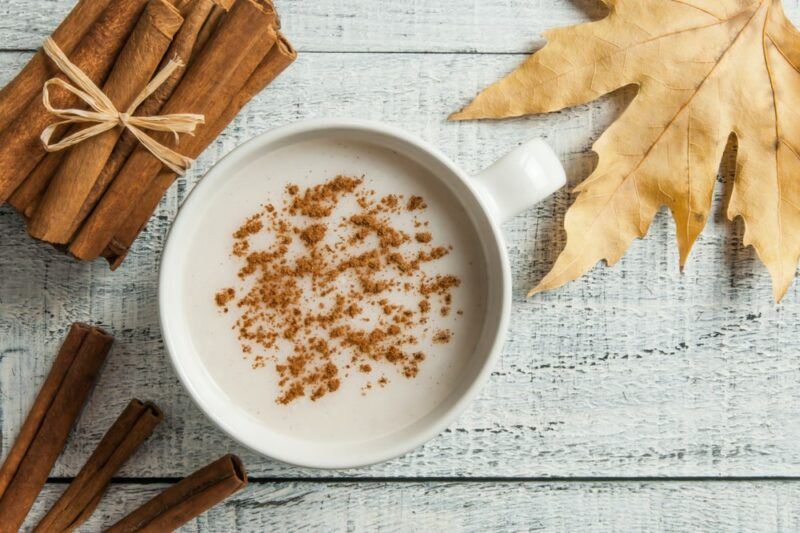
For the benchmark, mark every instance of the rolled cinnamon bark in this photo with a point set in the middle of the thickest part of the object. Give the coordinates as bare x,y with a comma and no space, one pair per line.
183,47
20,146
29,193
270,6
225,4
27,196
131,429
186,499
278,59
57,216
45,431
209,28
219,73
28,83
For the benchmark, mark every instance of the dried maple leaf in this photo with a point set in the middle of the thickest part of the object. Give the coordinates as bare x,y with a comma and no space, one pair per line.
704,69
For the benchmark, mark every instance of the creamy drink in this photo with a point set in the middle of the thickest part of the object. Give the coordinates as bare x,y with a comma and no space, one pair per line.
336,290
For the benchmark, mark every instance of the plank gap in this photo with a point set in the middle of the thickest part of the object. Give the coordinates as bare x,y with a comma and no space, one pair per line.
357,52
387,479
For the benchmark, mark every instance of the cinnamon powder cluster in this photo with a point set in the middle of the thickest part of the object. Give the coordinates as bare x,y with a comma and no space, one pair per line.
330,294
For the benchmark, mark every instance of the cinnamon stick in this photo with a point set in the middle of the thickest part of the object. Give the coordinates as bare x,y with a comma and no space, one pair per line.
225,4
202,19
45,431
270,6
27,196
29,193
221,70
277,60
183,47
209,28
20,146
57,218
187,499
28,83
131,429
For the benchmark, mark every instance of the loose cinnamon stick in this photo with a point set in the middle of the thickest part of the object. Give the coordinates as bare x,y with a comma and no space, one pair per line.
20,146
278,59
183,47
241,42
187,499
28,83
57,218
131,429
45,431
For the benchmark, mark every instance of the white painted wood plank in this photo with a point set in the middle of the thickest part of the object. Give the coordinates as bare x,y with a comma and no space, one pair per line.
361,25
497,26
413,506
635,370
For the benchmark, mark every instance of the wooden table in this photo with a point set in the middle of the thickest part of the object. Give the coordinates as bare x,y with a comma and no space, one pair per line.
635,398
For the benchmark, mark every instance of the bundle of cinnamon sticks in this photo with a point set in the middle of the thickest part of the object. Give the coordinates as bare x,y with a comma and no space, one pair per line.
27,465
94,198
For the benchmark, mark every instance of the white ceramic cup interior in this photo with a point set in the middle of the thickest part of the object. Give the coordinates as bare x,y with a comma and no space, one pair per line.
524,177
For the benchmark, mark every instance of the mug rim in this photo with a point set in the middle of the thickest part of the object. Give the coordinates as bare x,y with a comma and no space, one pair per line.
171,252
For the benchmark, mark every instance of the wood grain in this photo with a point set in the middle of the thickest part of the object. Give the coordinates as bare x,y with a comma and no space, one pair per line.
717,507
636,369
486,26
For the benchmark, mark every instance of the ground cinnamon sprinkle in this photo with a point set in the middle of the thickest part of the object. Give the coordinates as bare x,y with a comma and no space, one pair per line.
223,297
313,234
416,202
442,336
319,201
307,308
251,227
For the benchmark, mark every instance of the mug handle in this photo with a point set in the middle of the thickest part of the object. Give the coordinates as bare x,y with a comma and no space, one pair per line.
520,179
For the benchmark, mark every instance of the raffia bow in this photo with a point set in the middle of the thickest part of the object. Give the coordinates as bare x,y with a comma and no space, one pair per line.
108,117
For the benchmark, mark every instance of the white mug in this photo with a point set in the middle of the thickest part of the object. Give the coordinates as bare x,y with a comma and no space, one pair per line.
527,175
